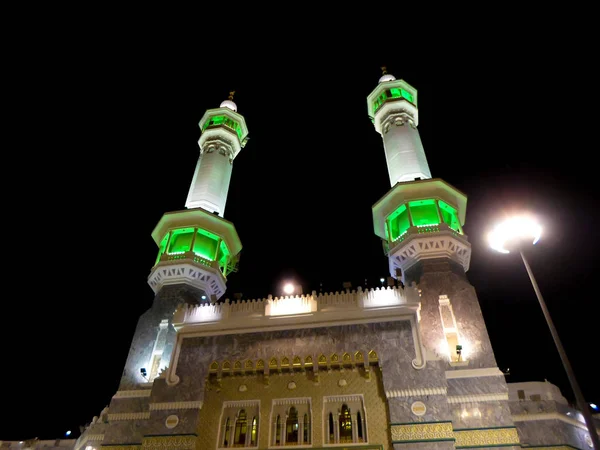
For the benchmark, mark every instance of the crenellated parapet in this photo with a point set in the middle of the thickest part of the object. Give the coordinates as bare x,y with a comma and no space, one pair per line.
315,307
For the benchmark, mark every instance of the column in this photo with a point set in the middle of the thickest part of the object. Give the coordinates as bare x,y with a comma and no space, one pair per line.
354,428
232,431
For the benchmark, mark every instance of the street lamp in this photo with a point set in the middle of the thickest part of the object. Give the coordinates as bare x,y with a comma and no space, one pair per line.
514,233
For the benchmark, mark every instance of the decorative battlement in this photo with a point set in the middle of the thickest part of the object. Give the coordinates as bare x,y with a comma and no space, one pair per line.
293,306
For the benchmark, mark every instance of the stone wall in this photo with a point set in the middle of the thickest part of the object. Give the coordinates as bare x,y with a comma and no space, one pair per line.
142,344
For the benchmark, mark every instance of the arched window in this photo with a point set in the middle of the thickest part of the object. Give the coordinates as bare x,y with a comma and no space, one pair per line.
306,429
254,432
359,426
291,427
345,425
278,431
331,433
241,427
226,434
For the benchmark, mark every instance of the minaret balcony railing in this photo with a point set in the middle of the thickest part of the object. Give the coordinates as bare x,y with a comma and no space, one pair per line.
421,230
189,255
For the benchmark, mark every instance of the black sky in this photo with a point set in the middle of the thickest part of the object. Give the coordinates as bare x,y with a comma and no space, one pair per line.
112,145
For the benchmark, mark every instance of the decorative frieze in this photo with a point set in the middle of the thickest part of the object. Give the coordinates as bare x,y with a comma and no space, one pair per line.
128,416
181,442
342,398
241,404
133,394
478,398
422,432
291,401
486,437
418,392
175,405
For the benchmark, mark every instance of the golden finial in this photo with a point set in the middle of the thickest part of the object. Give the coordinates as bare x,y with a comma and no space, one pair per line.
231,95
383,70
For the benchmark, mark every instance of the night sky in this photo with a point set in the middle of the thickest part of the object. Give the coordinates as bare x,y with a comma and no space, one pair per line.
115,146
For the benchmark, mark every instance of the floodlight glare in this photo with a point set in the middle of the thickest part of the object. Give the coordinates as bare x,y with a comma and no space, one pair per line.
514,229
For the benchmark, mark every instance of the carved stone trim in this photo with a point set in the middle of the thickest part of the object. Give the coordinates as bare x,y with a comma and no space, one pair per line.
129,416
422,432
292,401
474,373
133,394
175,405
241,403
170,442
342,398
415,392
486,437
478,398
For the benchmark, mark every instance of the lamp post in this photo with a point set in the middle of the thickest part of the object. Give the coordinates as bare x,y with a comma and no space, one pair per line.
516,231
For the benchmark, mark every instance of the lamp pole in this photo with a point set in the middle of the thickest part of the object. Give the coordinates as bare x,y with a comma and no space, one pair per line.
583,406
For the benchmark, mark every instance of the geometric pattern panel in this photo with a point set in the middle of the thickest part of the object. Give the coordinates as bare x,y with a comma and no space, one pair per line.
422,432
176,442
206,278
486,437
429,246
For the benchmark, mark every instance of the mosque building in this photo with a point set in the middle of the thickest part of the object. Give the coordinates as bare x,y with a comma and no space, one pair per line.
406,366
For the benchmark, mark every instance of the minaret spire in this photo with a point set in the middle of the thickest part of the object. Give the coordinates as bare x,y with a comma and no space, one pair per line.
393,110
224,134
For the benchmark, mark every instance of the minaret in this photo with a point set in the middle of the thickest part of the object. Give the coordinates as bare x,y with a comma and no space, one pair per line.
198,248
224,134
420,222
417,208
394,104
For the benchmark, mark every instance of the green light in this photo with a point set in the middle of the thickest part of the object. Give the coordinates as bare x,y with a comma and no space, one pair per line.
424,212
391,93
450,216
398,222
395,92
162,246
407,95
223,256
206,244
181,240
224,120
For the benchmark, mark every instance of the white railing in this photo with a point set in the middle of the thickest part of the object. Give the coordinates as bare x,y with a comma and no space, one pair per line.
297,305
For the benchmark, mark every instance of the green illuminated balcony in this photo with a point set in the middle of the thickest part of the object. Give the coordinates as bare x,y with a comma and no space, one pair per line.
222,120
200,245
392,94
425,216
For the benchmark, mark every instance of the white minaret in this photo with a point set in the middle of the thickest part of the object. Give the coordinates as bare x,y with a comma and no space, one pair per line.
224,134
393,110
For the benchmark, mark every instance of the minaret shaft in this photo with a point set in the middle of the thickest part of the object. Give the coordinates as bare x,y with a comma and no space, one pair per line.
404,152
210,183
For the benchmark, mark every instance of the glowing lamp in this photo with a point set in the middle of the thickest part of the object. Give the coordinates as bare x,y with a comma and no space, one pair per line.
382,280
513,231
68,433
594,406
288,288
